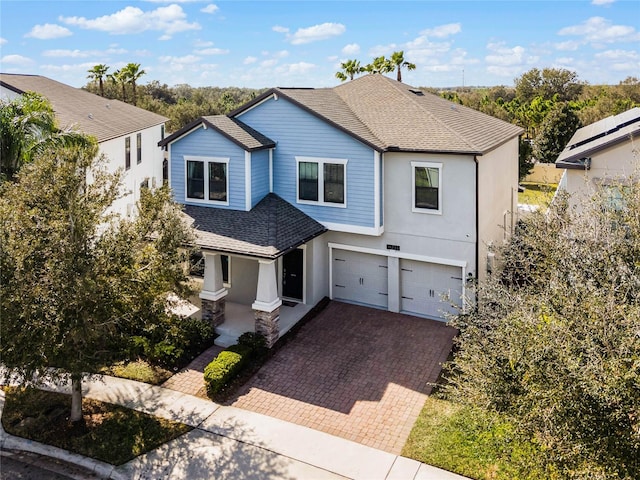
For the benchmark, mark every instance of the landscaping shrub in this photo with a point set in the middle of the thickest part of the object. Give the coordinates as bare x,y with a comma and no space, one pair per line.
255,341
225,366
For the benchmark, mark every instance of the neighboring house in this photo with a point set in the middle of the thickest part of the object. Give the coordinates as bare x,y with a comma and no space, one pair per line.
128,136
372,192
605,154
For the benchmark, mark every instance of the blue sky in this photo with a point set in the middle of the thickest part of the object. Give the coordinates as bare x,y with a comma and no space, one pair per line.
280,43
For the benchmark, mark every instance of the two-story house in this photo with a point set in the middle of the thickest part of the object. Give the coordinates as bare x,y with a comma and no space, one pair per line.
127,135
371,192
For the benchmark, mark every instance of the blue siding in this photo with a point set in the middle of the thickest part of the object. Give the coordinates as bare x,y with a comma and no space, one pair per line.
299,133
208,143
259,176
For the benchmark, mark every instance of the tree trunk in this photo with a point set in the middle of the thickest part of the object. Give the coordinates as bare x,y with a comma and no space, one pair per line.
399,75
76,398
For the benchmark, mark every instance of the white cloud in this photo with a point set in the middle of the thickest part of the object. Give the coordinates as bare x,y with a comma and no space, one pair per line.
281,54
299,68
179,60
569,45
598,30
618,55
3,41
269,63
202,44
211,8
380,50
212,51
48,31
131,20
16,60
351,49
602,2
78,67
442,31
316,33
280,29
60,53
508,61
249,60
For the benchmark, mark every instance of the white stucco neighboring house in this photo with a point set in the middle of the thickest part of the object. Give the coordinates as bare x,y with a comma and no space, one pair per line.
127,135
604,154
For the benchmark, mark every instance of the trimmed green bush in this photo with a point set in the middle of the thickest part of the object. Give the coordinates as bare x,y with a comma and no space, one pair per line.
225,366
255,341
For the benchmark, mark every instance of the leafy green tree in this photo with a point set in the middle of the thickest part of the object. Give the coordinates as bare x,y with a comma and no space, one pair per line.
75,282
99,73
28,126
397,59
119,78
349,69
525,158
548,83
132,74
553,344
556,130
380,65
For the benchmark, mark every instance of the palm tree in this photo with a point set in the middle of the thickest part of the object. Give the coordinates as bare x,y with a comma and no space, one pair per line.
27,128
98,72
380,65
350,68
133,73
120,77
398,61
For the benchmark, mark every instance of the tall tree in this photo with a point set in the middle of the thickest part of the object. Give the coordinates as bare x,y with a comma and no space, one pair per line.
132,73
555,131
74,281
28,126
397,59
350,69
548,83
119,77
380,65
99,73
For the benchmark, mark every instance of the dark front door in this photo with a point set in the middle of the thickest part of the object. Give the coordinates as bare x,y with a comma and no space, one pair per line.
292,274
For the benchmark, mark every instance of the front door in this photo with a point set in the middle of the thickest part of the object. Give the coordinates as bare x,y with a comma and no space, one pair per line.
292,273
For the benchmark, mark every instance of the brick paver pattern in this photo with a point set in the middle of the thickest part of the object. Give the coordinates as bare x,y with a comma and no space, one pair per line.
355,372
190,379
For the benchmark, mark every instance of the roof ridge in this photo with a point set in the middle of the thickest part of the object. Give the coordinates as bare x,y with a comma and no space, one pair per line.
395,84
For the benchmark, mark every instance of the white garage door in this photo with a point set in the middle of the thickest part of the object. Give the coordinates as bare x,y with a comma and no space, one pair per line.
360,278
422,286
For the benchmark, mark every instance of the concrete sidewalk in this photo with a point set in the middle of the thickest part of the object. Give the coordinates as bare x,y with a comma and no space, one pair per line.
229,443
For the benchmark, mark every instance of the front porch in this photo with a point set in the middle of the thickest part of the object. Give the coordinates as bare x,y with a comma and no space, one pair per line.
241,318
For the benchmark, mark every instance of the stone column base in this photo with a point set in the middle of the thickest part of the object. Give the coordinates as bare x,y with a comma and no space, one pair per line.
268,325
213,311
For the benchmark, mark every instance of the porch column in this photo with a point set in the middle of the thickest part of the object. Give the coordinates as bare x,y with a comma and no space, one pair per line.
213,291
267,304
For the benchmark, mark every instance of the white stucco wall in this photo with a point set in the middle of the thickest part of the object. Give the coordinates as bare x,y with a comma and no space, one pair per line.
612,164
6,94
497,198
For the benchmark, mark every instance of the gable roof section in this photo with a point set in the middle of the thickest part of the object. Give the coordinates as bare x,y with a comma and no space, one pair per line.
91,114
392,116
269,230
598,136
232,128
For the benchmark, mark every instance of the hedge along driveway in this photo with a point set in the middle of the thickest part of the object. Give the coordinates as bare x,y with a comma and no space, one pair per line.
355,372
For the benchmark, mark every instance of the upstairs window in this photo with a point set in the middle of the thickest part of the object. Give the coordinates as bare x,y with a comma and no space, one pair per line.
127,153
139,148
208,179
427,193
322,181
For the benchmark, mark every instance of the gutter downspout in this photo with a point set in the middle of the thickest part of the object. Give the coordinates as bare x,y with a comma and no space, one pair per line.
475,159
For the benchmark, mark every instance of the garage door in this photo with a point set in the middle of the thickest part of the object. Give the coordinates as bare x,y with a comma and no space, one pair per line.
422,286
360,278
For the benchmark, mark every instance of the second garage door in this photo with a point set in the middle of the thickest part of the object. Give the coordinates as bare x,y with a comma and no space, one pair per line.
360,278
422,286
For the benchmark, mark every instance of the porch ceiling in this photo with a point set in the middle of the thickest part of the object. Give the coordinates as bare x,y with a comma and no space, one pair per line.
269,230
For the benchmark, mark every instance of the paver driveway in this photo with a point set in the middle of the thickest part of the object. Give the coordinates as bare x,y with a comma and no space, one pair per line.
355,372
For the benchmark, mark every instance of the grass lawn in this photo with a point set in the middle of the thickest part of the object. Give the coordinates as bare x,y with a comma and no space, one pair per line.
471,443
138,370
111,433
537,193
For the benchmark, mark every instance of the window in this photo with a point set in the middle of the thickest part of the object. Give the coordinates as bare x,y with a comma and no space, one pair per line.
196,268
127,153
162,132
165,171
427,180
139,148
144,185
207,179
322,180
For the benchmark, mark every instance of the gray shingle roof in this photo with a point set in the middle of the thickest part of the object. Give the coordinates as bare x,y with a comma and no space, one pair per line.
269,230
599,135
232,128
390,115
88,113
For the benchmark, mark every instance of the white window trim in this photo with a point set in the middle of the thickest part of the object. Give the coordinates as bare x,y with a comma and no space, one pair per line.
320,161
206,160
429,211
227,284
